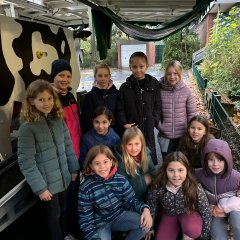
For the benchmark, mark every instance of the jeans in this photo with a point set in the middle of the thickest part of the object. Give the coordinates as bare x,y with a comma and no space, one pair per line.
126,221
219,226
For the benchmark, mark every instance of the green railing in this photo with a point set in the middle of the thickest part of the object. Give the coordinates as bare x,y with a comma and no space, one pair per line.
201,82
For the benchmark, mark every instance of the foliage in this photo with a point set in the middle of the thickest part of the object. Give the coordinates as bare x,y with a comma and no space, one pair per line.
181,46
221,65
112,55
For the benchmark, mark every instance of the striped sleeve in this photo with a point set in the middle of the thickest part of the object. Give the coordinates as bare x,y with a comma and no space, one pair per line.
86,216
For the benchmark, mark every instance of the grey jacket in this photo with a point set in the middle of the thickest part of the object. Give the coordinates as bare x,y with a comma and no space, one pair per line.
45,155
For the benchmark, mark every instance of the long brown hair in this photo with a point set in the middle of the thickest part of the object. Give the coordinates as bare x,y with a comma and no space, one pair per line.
29,111
93,152
188,142
189,186
128,160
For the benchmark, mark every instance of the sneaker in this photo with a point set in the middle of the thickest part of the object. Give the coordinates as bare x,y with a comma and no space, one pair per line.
70,237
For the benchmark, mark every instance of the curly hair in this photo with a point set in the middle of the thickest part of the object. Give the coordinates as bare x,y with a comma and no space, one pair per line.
29,111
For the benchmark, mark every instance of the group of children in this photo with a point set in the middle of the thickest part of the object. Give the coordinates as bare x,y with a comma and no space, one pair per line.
192,194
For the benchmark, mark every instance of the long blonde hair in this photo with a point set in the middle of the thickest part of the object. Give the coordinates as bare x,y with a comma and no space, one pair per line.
130,165
29,111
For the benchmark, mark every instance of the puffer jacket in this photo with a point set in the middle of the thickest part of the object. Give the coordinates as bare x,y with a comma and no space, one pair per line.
45,155
178,107
224,184
103,200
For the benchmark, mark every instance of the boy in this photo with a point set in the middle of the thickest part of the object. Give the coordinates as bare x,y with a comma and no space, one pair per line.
139,101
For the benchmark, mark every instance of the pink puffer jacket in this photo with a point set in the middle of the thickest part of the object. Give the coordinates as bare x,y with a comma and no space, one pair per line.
178,107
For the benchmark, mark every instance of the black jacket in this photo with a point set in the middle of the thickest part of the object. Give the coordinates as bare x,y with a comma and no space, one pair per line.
96,98
140,106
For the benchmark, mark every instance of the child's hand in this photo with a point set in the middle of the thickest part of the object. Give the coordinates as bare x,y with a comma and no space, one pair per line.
74,176
45,196
129,125
147,179
149,235
146,219
218,212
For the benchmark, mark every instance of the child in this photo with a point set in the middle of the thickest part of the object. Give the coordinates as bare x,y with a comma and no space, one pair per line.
101,133
139,101
107,201
194,140
178,107
181,200
103,93
134,161
221,181
61,75
45,153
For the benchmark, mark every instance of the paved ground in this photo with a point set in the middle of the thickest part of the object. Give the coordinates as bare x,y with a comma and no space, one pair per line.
117,75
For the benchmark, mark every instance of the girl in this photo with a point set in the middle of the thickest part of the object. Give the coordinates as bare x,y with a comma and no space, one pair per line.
45,153
101,133
221,184
194,140
134,161
182,202
61,75
107,202
178,107
103,93
139,101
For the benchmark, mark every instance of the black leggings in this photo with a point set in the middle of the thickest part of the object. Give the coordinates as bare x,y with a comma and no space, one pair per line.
56,215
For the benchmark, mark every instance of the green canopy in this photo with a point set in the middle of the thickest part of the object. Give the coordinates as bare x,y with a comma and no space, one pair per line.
103,18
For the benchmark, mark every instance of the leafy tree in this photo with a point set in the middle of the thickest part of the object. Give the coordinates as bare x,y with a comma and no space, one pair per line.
112,57
180,46
221,65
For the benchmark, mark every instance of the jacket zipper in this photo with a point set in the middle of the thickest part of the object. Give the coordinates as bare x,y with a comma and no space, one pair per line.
54,141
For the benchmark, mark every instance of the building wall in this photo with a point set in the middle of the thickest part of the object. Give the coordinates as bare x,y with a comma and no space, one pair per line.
151,53
133,46
204,29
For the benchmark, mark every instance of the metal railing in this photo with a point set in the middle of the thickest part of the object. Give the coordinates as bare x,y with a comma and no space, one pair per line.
201,82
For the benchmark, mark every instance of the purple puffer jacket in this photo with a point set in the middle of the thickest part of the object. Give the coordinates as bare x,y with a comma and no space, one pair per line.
225,184
178,107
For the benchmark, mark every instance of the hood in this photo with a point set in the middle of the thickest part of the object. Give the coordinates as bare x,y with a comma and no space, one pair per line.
97,177
95,84
164,85
222,148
